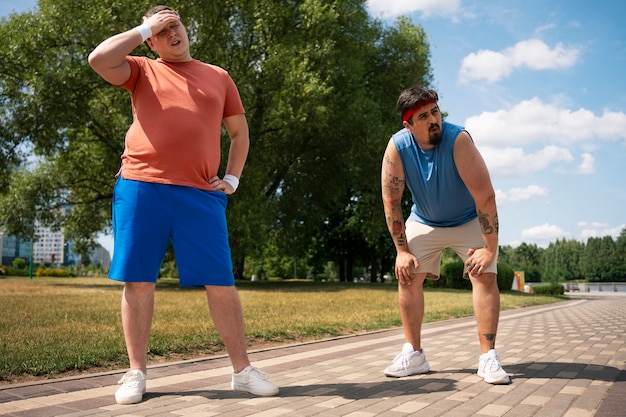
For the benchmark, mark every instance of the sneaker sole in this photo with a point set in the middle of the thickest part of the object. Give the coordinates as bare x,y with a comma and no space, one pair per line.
243,388
503,381
418,371
129,400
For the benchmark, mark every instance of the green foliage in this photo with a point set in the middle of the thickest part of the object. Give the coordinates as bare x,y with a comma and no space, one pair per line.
600,259
18,272
525,258
19,263
274,263
505,277
604,259
548,289
562,260
452,273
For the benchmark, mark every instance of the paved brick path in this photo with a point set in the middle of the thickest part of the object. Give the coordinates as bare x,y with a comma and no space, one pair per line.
567,359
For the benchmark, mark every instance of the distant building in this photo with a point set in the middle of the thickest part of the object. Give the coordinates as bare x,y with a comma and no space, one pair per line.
49,248
100,256
14,247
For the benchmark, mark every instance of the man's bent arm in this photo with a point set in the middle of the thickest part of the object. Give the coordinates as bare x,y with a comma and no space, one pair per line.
473,171
237,127
109,58
392,186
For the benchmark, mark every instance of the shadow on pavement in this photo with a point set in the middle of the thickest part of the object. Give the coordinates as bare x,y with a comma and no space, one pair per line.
354,391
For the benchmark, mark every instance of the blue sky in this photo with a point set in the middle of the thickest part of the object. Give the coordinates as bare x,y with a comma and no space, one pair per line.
540,86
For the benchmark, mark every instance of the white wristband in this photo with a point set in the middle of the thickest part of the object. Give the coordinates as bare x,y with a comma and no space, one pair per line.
232,180
144,30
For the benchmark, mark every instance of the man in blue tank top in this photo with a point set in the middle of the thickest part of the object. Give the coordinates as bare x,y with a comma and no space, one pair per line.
454,206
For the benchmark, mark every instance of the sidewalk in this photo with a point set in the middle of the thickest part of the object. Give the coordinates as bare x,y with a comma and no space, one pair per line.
566,359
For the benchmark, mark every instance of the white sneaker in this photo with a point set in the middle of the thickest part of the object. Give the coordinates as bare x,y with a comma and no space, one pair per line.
490,370
408,363
254,381
133,387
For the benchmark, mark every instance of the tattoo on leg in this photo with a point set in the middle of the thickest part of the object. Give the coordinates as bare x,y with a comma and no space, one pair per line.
491,337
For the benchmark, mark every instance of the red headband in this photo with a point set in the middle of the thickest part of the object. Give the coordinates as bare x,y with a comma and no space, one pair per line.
410,112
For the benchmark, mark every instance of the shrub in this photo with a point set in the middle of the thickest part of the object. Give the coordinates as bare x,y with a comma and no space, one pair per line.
45,272
19,263
549,289
505,277
452,273
18,272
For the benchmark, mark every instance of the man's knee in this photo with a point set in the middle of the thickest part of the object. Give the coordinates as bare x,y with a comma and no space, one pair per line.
139,288
487,279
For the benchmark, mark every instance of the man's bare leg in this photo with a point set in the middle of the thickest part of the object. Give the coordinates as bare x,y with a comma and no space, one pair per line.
486,300
411,302
137,310
227,315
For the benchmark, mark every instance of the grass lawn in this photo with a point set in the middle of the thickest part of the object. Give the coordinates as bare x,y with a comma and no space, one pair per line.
51,327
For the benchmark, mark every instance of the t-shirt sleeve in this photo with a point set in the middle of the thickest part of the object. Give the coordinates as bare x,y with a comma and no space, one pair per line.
233,104
134,73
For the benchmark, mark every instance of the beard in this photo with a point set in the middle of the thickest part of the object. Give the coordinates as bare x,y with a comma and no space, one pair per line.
434,135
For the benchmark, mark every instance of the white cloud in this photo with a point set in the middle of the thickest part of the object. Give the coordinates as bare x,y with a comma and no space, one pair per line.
392,8
588,165
592,224
515,162
521,194
492,66
533,121
543,235
599,230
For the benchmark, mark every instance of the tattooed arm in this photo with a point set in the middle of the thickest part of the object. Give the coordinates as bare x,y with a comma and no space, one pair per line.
392,184
473,171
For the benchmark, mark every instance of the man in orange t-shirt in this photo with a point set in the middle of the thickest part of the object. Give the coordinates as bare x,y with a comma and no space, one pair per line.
168,188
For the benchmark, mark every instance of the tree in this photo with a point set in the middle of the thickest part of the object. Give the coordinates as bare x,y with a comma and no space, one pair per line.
319,80
525,257
602,259
562,260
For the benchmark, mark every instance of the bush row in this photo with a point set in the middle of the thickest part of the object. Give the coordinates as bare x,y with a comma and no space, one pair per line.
549,289
452,276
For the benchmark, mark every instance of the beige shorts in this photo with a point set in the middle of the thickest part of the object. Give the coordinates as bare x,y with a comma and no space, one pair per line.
428,242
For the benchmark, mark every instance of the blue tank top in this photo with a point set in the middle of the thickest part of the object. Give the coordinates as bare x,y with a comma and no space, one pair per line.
440,198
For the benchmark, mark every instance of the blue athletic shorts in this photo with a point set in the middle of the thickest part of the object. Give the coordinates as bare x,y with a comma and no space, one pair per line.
147,216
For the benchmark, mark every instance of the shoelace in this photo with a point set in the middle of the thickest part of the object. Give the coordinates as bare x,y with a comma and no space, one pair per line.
130,379
405,360
257,373
493,364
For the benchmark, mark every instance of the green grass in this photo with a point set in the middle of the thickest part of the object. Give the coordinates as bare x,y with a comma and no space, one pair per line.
55,326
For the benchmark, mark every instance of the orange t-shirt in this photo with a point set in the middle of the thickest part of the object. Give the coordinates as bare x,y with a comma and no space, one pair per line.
177,121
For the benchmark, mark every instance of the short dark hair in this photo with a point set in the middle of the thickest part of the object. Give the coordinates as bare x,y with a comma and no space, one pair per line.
414,96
